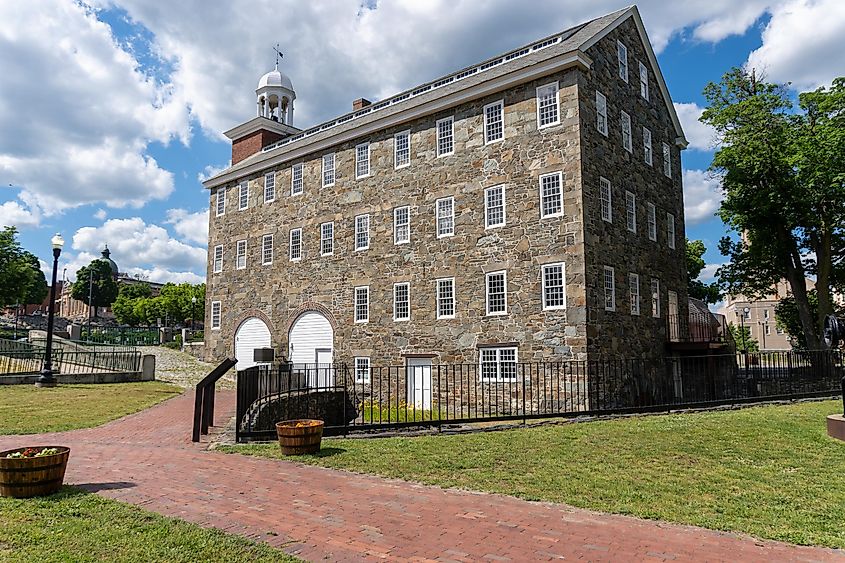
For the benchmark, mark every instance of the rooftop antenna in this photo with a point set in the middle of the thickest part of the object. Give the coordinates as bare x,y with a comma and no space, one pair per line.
279,55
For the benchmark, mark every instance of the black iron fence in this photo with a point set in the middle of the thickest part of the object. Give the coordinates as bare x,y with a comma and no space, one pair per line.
19,358
373,397
122,335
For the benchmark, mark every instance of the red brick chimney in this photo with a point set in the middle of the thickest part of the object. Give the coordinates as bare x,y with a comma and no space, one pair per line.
360,103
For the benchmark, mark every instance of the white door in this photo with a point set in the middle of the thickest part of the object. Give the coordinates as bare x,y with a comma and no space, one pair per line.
674,321
323,375
418,372
311,332
252,334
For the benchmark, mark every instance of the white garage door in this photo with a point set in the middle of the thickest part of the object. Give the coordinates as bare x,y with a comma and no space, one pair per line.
311,332
252,333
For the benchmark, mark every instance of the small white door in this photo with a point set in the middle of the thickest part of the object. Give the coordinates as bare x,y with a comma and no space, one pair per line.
418,372
674,321
323,375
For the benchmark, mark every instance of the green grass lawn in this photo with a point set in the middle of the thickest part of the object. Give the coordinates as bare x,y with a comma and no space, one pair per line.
771,471
77,526
25,409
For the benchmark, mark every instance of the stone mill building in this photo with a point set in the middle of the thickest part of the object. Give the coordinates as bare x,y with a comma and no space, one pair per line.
526,208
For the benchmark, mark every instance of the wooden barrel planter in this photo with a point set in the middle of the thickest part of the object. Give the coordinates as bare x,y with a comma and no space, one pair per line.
25,477
298,437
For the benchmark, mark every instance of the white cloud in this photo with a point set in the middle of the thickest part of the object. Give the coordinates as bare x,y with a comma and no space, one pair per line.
803,43
100,214
702,195
708,273
212,170
190,226
700,136
81,112
162,275
18,214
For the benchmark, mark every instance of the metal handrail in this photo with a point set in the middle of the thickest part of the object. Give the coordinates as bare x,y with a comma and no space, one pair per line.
204,399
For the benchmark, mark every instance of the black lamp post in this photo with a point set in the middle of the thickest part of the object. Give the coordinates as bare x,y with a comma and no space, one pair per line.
194,312
742,330
46,379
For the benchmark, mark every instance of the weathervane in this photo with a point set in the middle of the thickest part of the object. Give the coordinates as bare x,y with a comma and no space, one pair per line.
279,55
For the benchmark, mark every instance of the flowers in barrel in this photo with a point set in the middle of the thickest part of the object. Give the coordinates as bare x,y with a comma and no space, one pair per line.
33,452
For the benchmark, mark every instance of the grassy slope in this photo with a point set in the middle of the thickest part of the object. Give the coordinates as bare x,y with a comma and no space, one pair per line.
769,471
78,526
25,409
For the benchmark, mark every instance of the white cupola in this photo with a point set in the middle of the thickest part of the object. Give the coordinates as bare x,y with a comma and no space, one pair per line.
275,97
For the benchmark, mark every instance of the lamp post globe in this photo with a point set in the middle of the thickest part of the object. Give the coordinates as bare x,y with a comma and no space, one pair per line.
46,378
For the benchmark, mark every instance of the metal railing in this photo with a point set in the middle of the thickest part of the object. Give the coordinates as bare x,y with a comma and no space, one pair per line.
17,357
122,335
697,327
204,399
399,396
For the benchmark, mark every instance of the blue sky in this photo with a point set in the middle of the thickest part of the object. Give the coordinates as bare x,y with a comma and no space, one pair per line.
110,124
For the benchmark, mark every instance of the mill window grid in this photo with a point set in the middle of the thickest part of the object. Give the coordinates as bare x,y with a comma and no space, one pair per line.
647,154
296,184
554,286
445,217
327,239
362,232
667,161
446,136
402,225
548,112
631,211
362,160
267,250
494,122
401,301
240,255
498,364
402,149
328,170
269,187
218,259
606,196
215,315
362,369
497,293
551,195
670,230
609,289
362,304
295,244
243,196
221,201
622,56
652,222
643,81
601,113
634,289
627,142
446,298
655,298
494,207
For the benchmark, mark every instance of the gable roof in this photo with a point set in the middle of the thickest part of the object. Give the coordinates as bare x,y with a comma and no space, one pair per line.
562,50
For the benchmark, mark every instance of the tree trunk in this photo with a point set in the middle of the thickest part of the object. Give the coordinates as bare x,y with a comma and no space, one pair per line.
825,266
798,285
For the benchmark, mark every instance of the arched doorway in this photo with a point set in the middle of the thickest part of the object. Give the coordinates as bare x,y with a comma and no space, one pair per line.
311,347
252,333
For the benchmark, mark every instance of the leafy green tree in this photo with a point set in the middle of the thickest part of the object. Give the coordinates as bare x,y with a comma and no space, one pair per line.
103,287
134,290
176,301
743,339
707,292
783,182
21,278
786,315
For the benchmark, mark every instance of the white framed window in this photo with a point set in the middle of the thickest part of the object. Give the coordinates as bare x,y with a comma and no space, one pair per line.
627,142
402,225
768,329
609,289
766,314
240,254
497,364
643,81
362,369
651,217
327,239
551,195
401,301
494,122
647,155
269,187
670,230
494,207
622,56
402,149
446,136
215,315
446,298
362,160
497,292
606,197
218,259
266,250
220,204
667,161
362,304
548,105
296,183
328,170
631,211
295,244
554,286
634,289
243,195
655,298
445,216
601,113
362,232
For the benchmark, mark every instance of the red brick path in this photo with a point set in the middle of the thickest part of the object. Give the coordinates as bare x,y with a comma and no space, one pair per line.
147,459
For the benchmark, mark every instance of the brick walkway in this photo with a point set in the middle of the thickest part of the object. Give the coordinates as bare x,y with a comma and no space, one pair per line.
320,514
